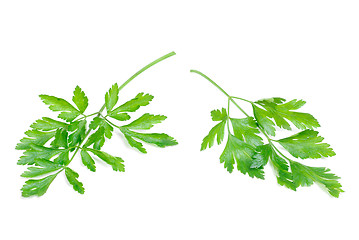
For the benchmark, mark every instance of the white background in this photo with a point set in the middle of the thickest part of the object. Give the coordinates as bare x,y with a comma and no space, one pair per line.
253,49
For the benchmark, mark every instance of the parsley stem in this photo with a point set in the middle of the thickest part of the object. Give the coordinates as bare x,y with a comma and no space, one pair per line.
242,99
147,67
92,114
221,89
270,141
276,149
228,115
141,71
109,122
77,149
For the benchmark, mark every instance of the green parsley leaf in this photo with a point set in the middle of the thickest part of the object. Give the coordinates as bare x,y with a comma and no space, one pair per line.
34,137
88,161
159,139
72,176
307,144
237,151
305,176
120,116
262,118
100,122
115,162
140,100
37,187
134,143
97,139
80,99
262,156
145,122
68,112
111,97
37,152
279,111
47,124
265,153
246,129
218,115
63,158
60,138
46,166
217,131
79,131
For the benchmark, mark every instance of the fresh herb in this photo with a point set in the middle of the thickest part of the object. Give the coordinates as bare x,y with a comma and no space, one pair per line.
246,148
75,132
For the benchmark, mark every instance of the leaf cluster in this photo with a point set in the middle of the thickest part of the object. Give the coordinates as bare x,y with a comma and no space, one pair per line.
246,149
51,144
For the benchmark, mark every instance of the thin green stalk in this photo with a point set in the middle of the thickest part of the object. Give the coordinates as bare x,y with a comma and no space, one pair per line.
147,67
221,89
242,99
111,123
77,149
228,122
211,81
119,89
92,114
275,148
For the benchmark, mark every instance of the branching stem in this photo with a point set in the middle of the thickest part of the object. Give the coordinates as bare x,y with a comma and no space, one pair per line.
111,123
228,121
221,89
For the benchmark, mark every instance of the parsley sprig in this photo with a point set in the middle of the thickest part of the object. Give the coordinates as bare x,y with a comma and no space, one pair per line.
246,148
76,132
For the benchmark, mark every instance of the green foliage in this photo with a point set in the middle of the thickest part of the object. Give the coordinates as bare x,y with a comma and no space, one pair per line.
99,122
134,104
45,166
246,149
72,176
88,161
266,153
305,176
159,139
68,112
111,97
217,132
80,99
47,124
262,118
280,110
246,129
49,143
237,151
120,116
97,139
34,137
36,151
115,162
218,115
78,129
145,122
60,140
37,187
307,144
